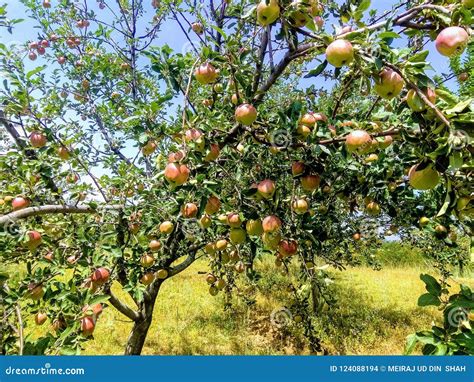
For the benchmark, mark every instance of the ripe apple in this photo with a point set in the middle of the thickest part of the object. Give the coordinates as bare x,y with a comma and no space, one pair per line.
44,43
46,4
303,131
34,239
373,208
210,248
246,114
239,267
94,310
388,84
205,221
271,223
197,28
213,205
308,119
300,206
340,53
166,227
441,231
423,221
41,50
19,203
63,153
297,168
195,138
190,210
221,244
154,245
37,139
271,240
287,247
205,74
213,153
266,188
424,179
33,45
87,326
210,278
176,174
147,260
452,41
267,12
387,141
49,256
310,182
176,157
356,236
149,148
40,318
35,291
463,77
237,236
59,324
254,227
359,141
415,102
233,220
100,276
297,16
147,278
161,274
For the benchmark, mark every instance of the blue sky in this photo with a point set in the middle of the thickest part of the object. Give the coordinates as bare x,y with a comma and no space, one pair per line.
173,36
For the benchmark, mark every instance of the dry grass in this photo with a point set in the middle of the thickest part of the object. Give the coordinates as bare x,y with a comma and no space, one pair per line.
374,313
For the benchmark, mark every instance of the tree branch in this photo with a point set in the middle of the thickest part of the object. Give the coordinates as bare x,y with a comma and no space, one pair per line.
51,209
122,307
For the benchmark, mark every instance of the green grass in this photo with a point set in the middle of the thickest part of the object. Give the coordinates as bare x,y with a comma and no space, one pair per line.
373,314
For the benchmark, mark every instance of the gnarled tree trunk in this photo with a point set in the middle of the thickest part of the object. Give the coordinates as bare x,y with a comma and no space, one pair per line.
139,332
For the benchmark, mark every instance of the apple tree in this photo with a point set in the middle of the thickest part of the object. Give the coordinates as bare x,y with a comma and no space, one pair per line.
124,159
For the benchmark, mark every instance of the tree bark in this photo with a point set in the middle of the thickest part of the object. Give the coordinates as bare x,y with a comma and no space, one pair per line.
139,332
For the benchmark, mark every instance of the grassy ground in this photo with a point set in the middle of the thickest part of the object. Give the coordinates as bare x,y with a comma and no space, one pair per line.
374,313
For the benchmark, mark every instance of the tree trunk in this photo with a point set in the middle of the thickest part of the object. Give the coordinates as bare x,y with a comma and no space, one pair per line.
137,337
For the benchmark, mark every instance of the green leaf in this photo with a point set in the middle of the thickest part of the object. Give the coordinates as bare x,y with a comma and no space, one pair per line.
35,71
431,284
318,70
428,299
389,34
412,340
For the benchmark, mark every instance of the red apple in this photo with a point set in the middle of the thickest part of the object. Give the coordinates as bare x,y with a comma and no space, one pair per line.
213,205
388,84
19,202
271,223
340,53
34,239
87,326
287,247
359,141
37,139
40,318
205,74
297,168
100,276
266,188
452,41
176,174
189,210
310,182
246,114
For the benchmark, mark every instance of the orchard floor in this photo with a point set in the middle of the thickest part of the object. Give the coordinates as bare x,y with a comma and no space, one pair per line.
374,312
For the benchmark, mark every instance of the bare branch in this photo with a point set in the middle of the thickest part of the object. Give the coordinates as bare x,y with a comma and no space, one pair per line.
122,307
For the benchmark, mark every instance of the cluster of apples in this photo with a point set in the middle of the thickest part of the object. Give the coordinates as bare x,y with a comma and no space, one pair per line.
37,48
299,12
